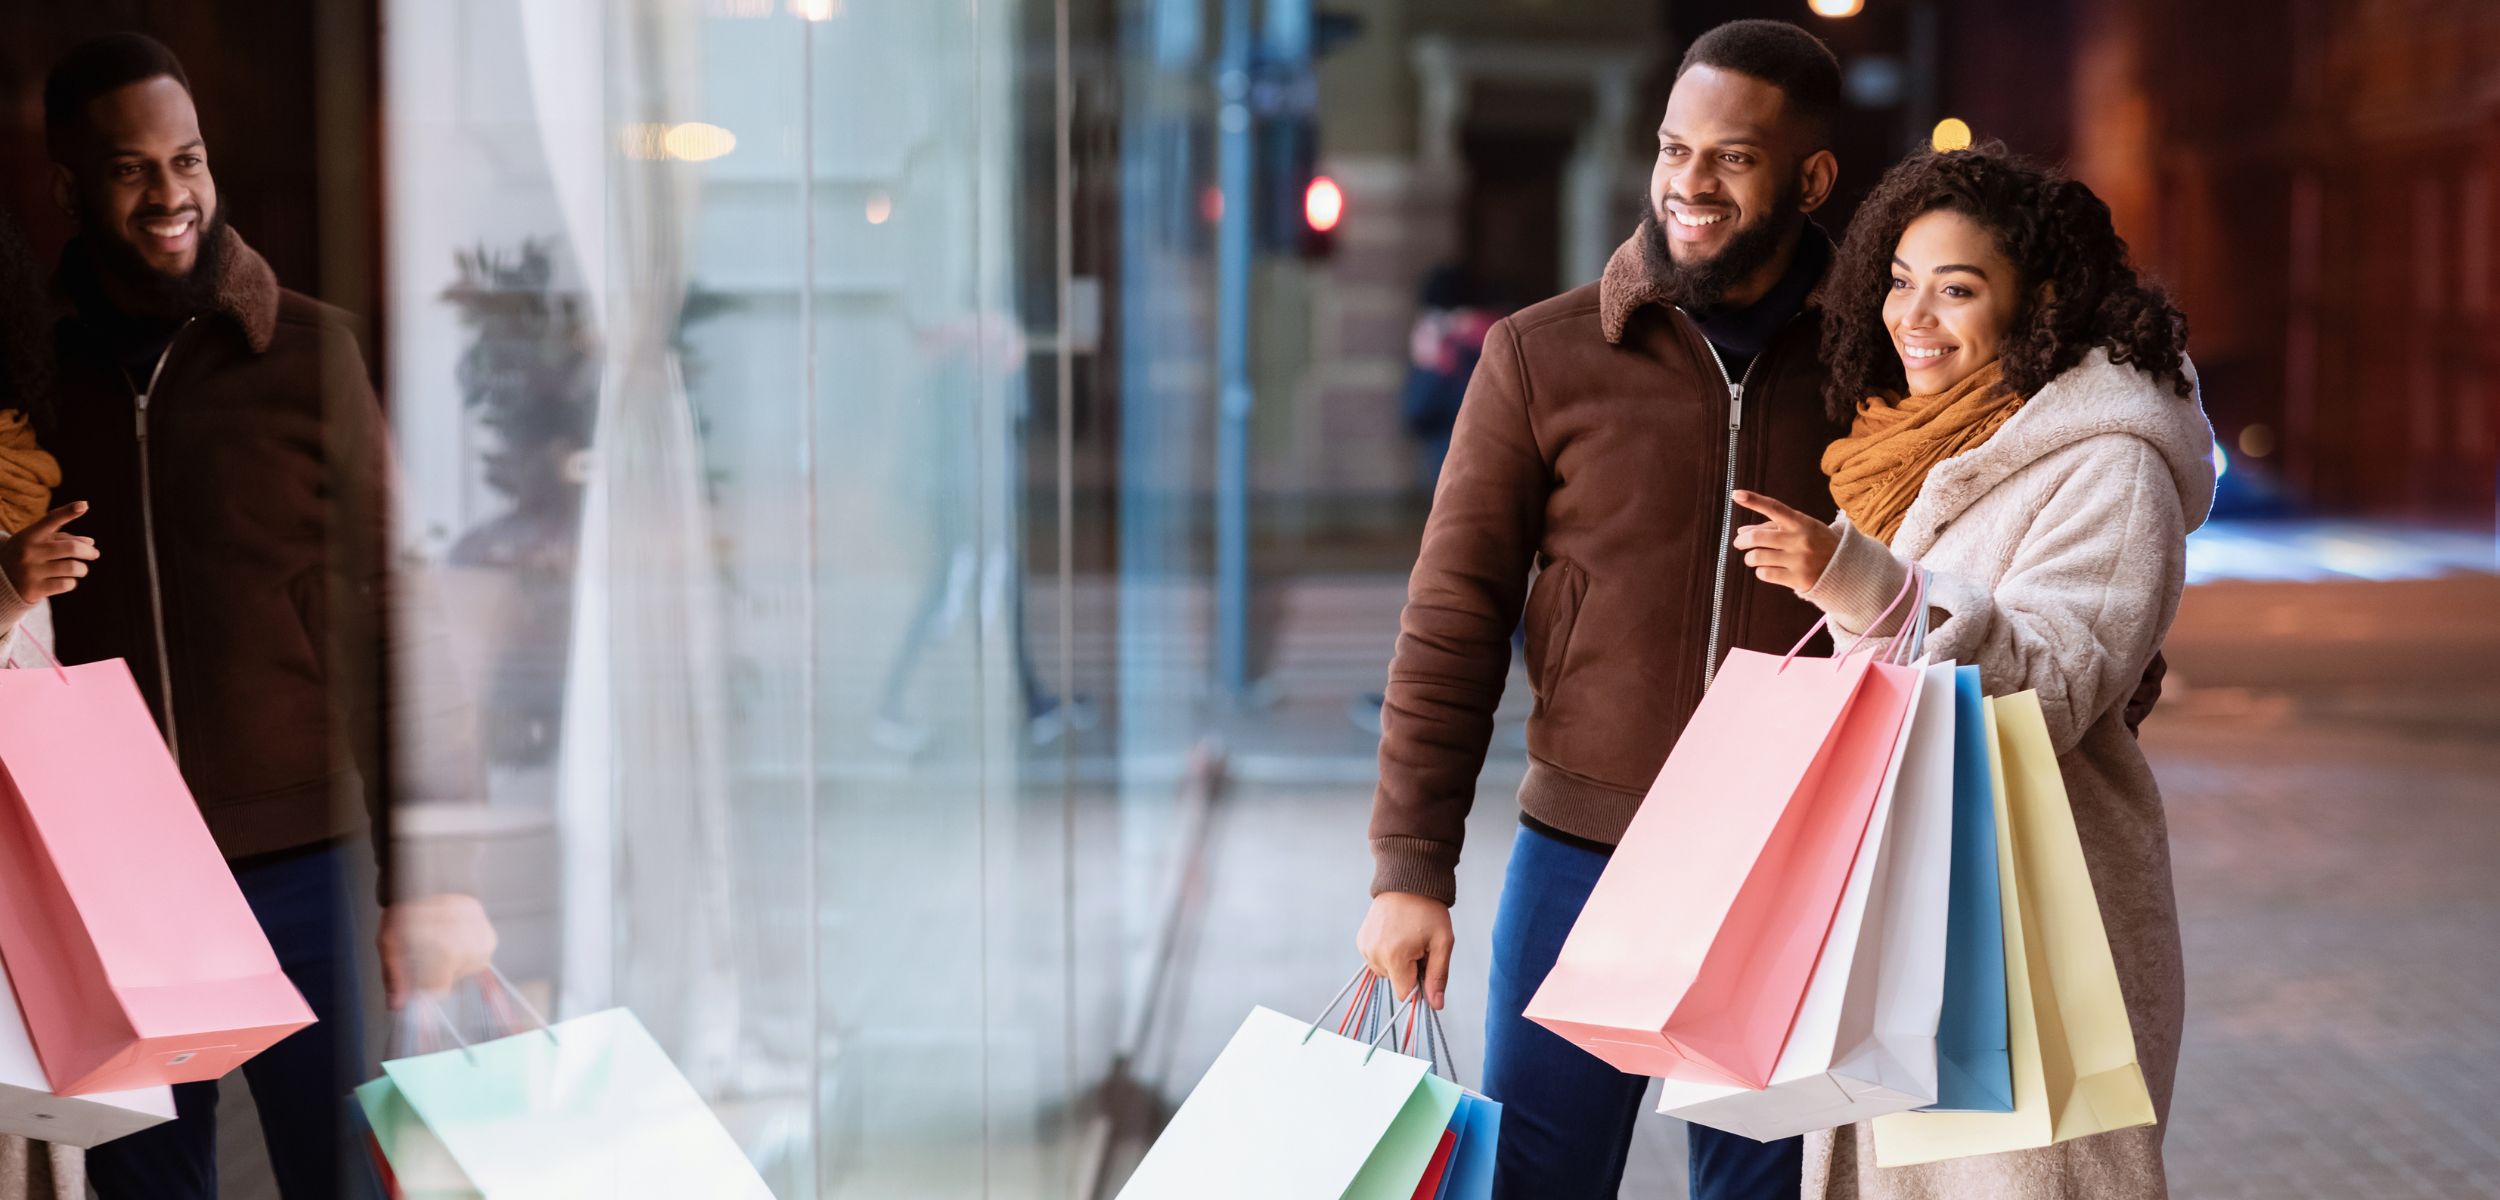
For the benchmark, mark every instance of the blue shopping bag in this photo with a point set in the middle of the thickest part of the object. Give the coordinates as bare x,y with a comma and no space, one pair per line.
1478,1124
1475,1125
1974,1072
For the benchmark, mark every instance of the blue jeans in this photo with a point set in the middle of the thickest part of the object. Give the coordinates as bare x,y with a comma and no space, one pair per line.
300,1085
1567,1117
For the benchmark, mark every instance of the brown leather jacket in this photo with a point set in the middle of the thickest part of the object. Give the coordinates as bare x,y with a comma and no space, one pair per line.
244,543
1597,445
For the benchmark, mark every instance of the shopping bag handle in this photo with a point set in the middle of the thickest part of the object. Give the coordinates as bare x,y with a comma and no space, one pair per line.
1332,1004
1436,1043
40,648
1359,1014
1913,584
1911,642
1359,1019
1389,1028
503,992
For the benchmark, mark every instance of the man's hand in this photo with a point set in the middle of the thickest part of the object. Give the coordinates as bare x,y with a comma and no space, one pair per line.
42,560
431,943
1401,931
1791,549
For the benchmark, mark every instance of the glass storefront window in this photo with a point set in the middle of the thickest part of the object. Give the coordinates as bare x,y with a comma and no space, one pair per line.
797,546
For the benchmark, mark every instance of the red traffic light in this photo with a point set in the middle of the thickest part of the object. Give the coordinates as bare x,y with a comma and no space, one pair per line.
1323,204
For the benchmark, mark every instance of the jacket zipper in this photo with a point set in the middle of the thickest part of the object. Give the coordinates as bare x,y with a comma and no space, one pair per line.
147,538
1727,488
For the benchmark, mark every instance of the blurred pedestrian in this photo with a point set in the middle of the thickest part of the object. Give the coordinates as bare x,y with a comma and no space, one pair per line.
1451,321
226,439
1452,318
1599,441
965,356
1983,312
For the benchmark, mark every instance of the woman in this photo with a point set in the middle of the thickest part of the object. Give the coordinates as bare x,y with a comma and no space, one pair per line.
43,562
2028,432
38,559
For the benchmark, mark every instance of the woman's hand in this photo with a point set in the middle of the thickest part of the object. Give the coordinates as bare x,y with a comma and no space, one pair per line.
1791,549
42,560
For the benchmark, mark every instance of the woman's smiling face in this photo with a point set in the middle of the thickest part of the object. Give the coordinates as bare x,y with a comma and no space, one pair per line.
1952,301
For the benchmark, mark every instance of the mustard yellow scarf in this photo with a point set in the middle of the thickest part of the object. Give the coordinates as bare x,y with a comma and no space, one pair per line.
1877,470
27,474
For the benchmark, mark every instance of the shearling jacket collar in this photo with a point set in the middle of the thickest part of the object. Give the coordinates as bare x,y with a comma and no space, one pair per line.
1629,283
246,291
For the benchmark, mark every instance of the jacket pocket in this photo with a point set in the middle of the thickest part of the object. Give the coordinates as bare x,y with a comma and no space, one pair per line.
1553,613
307,593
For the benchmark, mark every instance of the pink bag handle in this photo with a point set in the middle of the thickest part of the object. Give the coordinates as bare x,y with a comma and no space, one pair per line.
1900,646
1911,642
1914,584
1892,645
43,650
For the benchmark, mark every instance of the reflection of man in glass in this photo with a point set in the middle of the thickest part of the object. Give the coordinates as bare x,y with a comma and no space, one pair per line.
223,433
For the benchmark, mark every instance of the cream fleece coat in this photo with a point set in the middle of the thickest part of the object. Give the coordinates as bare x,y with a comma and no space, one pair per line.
2056,553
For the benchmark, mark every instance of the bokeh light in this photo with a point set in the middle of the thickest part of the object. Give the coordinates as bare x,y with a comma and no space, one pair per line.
1323,204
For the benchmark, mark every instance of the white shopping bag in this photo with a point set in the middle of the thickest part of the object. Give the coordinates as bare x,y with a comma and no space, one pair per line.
1294,1110
1864,1044
29,1109
586,1108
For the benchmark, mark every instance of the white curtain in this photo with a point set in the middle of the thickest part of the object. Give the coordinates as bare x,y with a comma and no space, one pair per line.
642,801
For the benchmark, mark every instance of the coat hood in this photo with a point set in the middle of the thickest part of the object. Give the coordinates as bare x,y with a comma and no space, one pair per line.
2094,398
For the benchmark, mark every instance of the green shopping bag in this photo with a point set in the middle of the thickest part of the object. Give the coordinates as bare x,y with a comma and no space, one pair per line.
590,1107
409,1161
1292,1110
414,1164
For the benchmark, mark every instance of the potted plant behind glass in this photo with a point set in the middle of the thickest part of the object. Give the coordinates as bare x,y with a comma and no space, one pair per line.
531,378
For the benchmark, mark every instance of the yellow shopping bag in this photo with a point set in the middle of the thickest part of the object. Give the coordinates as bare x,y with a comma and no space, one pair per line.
2075,1070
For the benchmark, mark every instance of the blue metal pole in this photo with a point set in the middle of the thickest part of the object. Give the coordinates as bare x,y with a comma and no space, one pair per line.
1232,357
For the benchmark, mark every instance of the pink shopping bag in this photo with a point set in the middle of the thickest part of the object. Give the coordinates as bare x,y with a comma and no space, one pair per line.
136,960
1694,950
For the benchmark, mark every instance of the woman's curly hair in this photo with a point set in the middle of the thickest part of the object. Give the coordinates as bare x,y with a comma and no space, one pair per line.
25,332
2054,231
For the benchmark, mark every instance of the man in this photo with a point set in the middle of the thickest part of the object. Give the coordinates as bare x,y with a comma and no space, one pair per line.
1598,444
231,460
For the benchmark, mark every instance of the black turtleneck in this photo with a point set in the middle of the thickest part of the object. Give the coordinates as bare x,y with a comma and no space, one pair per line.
136,342
1741,333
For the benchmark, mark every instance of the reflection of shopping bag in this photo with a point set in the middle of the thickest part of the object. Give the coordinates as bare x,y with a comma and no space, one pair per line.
1293,1109
1973,1073
411,1162
29,1109
2075,1070
1694,949
136,960
590,1107
1864,1043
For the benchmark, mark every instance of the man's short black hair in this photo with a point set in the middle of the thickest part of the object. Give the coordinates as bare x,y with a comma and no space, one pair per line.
1779,54
96,67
